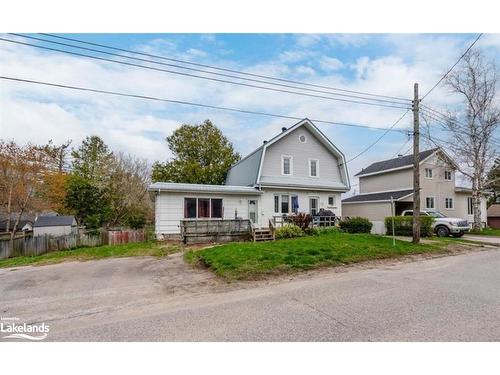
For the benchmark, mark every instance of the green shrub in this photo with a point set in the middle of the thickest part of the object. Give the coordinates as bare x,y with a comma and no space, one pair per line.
403,225
288,231
356,225
318,231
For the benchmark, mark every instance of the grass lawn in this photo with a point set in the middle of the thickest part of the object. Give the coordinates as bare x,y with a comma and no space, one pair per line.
486,232
251,260
88,253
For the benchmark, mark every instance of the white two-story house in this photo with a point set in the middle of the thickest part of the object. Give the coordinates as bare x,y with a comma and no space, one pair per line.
299,170
394,178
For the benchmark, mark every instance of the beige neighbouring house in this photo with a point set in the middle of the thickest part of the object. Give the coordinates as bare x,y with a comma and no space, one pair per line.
298,170
394,178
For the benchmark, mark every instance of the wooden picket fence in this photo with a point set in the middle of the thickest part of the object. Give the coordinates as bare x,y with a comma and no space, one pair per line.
31,246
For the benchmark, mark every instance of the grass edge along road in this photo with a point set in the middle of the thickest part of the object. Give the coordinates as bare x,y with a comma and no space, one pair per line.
485,232
149,248
254,260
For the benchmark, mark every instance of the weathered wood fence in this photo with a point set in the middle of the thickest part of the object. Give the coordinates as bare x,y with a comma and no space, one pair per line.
38,245
223,230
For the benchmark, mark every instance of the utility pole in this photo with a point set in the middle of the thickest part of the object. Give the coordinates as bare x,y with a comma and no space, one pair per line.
416,166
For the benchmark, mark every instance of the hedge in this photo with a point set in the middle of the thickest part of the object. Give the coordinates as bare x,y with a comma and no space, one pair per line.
288,231
356,225
403,225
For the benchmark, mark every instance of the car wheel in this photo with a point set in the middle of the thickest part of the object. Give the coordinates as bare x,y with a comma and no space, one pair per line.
442,231
456,235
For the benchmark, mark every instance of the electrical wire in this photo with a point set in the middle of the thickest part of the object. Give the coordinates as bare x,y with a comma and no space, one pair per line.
201,77
206,71
137,96
453,66
223,69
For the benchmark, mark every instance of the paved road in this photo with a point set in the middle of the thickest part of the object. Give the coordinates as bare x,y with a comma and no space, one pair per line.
145,299
492,240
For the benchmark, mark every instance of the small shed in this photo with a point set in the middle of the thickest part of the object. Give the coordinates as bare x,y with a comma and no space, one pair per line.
493,214
54,225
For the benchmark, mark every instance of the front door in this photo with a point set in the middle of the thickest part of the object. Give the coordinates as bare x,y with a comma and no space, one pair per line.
252,210
313,206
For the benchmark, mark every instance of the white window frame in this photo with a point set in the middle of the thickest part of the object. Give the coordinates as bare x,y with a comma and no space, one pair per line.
276,197
334,204
317,168
432,173
470,204
451,176
283,157
433,203
449,199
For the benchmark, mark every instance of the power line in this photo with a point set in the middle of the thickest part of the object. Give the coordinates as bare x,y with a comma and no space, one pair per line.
201,77
380,138
224,69
137,96
454,65
207,71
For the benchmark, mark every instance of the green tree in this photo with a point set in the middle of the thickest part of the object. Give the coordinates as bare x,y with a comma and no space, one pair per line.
92,160
86,201
201,155
494,182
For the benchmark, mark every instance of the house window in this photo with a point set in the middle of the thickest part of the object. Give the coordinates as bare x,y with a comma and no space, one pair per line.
447,175
331,200
276,204
286,165
295,204
429,202
285,204
203,208
216,208
470,206
313,168
428,173
190,208
448,203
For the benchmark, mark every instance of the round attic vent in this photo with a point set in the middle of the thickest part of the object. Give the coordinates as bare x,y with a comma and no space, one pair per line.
302,138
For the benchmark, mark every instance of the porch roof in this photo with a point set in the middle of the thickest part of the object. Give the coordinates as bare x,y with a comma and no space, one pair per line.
383,196
203,188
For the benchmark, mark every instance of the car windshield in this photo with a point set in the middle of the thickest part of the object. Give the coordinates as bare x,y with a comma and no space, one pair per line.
436,214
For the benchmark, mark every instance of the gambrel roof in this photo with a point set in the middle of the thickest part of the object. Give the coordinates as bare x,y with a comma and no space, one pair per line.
247,171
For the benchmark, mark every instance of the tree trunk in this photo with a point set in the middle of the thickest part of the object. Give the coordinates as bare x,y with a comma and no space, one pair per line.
476,205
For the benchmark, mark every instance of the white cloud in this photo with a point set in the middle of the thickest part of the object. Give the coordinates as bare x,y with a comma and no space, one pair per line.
330,64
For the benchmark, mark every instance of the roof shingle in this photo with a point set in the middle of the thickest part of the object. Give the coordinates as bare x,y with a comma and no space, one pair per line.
398,162
383,196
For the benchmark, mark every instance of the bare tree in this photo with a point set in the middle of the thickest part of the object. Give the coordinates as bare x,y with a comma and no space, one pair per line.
472,126
128,183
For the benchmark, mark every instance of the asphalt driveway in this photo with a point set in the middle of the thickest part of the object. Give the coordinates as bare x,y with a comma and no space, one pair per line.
150,299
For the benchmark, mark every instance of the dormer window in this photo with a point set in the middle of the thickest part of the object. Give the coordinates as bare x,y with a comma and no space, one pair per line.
447,175
313,168
428,173
286,165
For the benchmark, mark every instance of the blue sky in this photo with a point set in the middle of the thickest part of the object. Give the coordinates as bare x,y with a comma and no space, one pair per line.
385,64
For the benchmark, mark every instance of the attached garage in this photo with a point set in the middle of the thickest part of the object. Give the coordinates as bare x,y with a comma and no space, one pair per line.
494,216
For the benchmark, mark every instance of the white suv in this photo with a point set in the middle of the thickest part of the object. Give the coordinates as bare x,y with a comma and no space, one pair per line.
443,226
